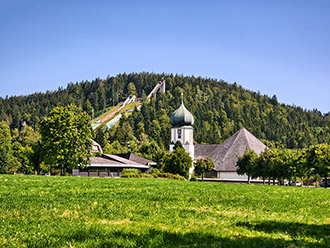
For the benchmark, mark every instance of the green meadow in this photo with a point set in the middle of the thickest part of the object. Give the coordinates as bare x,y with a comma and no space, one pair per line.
40,211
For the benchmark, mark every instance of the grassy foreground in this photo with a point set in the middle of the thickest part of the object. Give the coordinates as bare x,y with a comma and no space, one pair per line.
39,211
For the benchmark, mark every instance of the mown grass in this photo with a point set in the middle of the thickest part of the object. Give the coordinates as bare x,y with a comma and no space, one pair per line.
37,211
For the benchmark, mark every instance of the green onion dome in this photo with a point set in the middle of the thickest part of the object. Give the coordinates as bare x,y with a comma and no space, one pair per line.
182,117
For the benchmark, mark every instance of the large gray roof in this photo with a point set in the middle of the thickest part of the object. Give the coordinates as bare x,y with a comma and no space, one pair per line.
225,155
133,157
114,161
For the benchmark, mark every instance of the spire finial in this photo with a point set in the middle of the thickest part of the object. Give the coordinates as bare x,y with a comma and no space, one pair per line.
182,97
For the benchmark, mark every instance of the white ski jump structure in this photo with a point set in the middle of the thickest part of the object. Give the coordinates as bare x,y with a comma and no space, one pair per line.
160,86
127,101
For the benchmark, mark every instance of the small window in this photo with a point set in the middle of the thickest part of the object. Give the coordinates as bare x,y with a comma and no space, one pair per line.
179,133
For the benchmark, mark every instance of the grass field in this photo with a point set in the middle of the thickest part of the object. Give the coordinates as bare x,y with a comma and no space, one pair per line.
39,211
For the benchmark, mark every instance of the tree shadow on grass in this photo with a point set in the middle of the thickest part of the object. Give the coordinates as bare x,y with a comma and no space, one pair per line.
295,230
101,237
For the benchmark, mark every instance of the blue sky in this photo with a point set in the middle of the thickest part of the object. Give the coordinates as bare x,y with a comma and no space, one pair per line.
276,47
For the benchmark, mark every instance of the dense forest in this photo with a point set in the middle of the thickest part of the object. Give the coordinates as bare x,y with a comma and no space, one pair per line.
220,109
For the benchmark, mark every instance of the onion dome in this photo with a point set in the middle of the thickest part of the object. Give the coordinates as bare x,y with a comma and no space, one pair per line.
182,117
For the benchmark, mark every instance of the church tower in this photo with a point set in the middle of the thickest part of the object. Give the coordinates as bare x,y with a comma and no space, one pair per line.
182,130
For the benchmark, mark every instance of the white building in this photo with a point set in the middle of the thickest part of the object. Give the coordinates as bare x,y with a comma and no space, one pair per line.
224,155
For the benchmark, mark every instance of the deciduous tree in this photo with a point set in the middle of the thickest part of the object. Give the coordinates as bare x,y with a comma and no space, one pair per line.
319,157
5,147
178,161
66,137
247,164
203,166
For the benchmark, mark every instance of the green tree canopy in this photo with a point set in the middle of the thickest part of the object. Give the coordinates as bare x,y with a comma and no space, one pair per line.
247,164
5,147
203,166
131,89
23,158
319,157
114,148
178,162
66,137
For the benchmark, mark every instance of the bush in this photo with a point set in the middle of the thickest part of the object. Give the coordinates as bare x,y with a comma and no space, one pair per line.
193,178
145,175
171,176
178,161
154,172
134,173
130,173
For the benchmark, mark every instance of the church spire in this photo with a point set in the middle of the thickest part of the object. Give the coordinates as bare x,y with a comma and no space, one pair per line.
182,130
182,116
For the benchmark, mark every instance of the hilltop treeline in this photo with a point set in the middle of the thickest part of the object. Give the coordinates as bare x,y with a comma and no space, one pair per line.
219,108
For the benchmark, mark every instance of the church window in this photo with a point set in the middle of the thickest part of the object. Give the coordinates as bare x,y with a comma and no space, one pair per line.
179,133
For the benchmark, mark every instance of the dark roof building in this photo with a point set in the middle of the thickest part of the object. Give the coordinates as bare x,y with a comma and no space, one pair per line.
109,165
225,155
133,157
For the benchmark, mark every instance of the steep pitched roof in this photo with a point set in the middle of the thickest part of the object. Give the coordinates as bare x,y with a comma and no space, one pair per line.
202,151
102,161
109,161
225,156
133,157
119,159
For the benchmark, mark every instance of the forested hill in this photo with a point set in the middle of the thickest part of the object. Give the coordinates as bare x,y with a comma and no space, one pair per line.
220,109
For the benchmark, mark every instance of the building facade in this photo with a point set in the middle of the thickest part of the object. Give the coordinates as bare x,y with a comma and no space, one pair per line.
225,155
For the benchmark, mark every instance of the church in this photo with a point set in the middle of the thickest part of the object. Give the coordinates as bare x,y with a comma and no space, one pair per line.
224,155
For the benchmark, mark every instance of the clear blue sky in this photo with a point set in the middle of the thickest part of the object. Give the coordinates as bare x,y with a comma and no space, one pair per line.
276,47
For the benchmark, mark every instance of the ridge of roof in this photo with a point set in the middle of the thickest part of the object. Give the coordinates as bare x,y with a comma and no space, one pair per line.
238,134
100,160
225,155
136,158
119,159
225,146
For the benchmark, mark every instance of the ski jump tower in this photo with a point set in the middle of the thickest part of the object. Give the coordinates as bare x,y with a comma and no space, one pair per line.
160,86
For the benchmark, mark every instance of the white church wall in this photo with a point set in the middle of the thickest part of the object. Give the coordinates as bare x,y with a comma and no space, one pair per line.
190,149
186,135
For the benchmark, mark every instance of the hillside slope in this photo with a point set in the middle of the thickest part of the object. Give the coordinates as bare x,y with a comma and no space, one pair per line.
220,109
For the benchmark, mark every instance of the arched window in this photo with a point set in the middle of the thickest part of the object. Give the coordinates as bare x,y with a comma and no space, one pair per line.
179,133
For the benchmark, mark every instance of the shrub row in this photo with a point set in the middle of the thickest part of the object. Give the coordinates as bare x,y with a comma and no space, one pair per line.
154,173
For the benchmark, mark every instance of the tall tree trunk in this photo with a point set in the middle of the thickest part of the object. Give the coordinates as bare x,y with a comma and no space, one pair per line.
248,179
